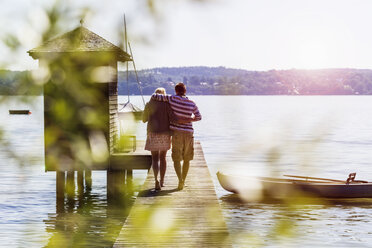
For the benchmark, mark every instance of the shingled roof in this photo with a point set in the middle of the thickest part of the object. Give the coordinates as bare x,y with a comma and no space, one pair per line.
79,40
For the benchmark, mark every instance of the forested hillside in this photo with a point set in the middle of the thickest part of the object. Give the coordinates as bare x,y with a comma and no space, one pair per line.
225,81
17,83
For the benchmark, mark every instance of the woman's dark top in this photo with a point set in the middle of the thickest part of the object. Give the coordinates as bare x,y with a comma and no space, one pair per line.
158,115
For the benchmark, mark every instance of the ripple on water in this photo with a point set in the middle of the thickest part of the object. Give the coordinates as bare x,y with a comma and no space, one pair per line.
232,140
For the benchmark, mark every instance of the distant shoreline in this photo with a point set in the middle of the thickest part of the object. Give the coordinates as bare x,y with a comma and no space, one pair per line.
191,95
201,80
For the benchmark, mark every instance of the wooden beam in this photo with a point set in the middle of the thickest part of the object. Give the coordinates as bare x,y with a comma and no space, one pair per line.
123,161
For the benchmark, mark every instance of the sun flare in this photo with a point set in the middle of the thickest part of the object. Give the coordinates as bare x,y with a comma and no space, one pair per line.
313,54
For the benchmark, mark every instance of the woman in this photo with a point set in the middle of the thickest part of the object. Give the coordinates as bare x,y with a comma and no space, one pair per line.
157,115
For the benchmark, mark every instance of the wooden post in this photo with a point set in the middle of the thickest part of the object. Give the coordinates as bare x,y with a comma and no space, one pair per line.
60,190
110,185
120,185
115,185
70,184
129,181
80,182
60,184
88,179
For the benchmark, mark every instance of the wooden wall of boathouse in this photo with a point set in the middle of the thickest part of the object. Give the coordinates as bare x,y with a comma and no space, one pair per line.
64,130
83,84
113,111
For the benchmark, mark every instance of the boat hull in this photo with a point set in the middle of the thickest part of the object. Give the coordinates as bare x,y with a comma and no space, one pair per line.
19,112
279,188
363,190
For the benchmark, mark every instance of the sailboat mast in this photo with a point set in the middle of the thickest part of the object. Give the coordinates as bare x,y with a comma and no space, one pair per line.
126,50
135,71
125,36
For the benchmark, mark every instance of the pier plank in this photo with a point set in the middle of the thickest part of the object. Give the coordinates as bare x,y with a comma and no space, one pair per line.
191,217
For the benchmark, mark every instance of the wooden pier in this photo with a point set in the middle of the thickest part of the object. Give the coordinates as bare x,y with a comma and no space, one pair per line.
191,217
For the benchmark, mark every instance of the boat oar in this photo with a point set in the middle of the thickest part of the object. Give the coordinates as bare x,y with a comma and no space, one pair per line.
298,180
317,178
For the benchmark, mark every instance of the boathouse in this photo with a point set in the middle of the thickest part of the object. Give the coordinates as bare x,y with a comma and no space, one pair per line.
79,75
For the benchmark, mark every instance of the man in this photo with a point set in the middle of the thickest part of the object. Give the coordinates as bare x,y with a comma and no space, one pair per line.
186,112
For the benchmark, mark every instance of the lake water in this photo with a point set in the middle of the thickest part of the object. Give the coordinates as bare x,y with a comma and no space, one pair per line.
324,136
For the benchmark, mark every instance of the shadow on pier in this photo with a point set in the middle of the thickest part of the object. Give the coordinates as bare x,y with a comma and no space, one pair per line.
152,192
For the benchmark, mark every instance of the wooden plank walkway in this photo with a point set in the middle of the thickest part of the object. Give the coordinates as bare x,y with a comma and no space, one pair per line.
191,217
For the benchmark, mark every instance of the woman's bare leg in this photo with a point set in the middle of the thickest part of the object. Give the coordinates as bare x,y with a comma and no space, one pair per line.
163,166
155,166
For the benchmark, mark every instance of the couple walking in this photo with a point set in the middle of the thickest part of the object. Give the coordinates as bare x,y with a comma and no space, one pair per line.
169,120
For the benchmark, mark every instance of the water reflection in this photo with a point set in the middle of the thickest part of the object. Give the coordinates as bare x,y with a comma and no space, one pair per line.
27,194
235,199
309,223
87,220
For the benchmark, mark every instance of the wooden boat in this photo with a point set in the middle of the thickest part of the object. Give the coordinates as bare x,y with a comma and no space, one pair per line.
307,186
128,108
19,112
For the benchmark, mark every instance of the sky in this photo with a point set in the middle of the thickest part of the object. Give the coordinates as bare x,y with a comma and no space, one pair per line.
246,34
